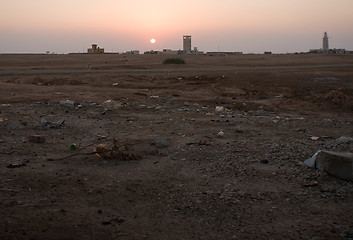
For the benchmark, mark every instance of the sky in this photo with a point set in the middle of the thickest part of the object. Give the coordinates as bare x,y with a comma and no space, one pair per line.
249,26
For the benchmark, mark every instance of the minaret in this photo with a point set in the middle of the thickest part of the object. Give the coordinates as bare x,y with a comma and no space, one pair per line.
325,42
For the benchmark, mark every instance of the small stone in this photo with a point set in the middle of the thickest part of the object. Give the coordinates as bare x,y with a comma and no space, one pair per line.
66,102
105,223
36,139
161,143
220,133
11,125
219,109
16,165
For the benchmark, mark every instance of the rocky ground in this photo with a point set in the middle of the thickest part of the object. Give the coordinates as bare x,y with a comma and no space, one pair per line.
213,148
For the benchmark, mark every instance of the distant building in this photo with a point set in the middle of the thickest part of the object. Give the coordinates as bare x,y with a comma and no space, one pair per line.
187,43
133,52
325,45
325,48
95,49
223,53
170,51
151,52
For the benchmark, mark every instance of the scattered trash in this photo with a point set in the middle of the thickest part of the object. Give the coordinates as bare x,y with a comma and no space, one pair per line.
16,165
315,138
110,221
310,183
219,109
66,102
115,84
5,105
103,151
220,133
45,123
73,146
36,139
344,139
338,164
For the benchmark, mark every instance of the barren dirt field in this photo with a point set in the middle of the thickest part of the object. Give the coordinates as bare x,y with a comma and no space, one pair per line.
212,149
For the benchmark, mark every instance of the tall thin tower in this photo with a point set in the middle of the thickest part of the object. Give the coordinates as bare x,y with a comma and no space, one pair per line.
325,42
187,43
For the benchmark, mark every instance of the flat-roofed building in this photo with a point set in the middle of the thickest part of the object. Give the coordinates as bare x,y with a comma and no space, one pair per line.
187,43
95,49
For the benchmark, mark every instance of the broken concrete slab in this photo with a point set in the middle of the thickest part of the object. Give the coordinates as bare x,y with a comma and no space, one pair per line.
338,164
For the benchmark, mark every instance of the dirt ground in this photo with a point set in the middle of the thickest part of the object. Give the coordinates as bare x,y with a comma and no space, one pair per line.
221,140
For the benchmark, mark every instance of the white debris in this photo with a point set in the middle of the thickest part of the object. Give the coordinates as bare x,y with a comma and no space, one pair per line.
338,164
219,109
220,133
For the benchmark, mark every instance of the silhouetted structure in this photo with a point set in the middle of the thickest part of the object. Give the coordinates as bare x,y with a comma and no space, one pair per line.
95,49
325,45
187,43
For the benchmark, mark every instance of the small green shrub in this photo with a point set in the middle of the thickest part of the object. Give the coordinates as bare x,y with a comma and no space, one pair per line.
174,61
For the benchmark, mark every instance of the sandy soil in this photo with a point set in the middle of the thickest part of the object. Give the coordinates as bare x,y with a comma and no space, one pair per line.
192,182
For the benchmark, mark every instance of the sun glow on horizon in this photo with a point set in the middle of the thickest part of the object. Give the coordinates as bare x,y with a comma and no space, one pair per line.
257,26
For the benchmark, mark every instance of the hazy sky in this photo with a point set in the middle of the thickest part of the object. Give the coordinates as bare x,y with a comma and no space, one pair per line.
280,26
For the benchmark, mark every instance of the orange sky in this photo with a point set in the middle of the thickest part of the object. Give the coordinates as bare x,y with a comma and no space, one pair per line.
228,25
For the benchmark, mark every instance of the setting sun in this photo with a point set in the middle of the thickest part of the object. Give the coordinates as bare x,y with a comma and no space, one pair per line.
153,40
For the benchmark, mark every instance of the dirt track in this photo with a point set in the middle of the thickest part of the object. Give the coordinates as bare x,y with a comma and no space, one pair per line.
191,183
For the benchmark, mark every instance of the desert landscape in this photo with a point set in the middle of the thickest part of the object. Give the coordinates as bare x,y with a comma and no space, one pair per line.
111,146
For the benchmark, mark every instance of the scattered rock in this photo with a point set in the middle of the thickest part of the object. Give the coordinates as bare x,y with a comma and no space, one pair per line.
219,109
36,138
66,102
161,143
344,139
220,134
12,125
16,165
265,161
105,223
338,164
204,141
310,183
52,125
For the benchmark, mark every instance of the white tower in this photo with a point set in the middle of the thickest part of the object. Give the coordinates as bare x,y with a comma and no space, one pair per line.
325,42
